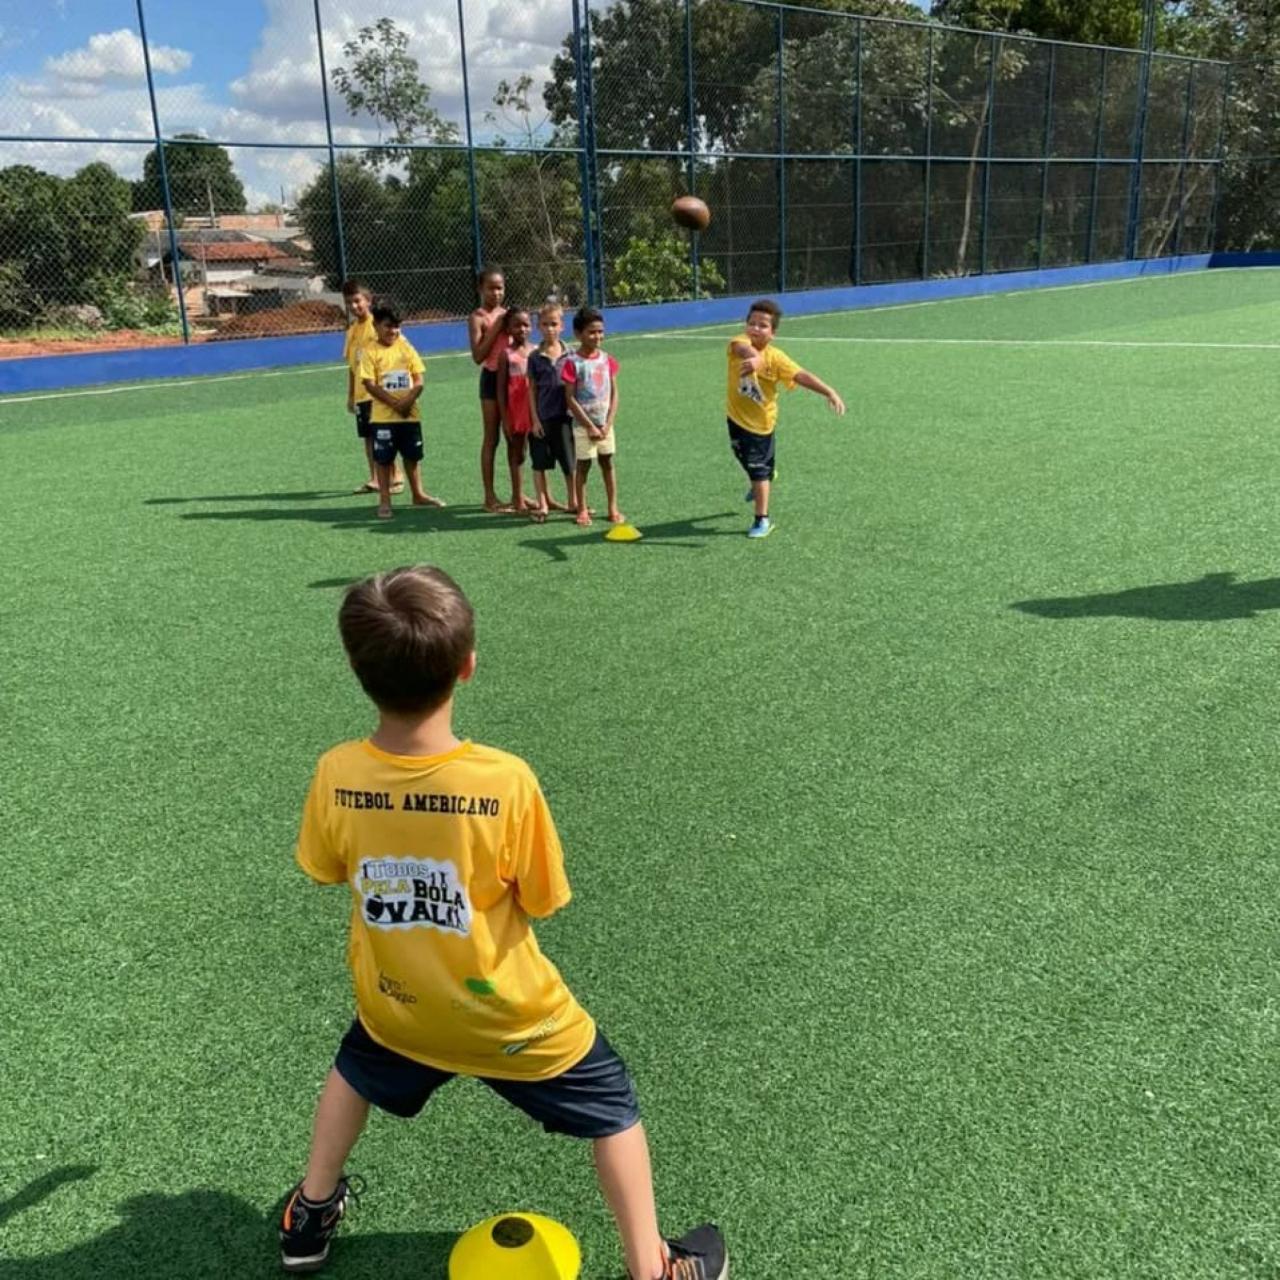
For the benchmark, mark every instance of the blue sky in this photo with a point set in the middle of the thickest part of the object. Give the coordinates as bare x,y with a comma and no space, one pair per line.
236,70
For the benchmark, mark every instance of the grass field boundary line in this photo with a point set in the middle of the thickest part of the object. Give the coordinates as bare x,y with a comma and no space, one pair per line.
942,302
1011,342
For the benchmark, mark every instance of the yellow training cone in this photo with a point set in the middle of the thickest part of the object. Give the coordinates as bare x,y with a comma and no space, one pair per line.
622,533
516,1246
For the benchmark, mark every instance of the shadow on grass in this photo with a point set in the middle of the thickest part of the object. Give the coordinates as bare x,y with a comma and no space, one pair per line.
298,495
1217,597
553,539
215,1235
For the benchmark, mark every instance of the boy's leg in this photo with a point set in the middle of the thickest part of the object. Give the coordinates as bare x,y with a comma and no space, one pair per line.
340,1120
373,470
584,467
760,496
626,1179
609,475
384,489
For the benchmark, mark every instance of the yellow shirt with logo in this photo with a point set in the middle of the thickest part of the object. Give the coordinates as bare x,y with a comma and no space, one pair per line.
360,333
753,398
447,858
392,368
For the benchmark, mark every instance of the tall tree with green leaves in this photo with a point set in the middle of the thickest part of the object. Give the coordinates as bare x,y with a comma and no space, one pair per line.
381,79
201,179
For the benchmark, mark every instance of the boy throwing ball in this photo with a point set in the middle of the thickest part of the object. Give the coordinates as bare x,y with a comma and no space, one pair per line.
449,853
756,367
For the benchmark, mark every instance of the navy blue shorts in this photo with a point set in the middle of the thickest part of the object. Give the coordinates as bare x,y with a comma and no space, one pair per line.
554,448
755,452
488,384
364,419
593,1099
391,438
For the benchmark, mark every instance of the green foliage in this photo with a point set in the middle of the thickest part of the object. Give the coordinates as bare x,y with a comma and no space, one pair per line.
201,177
382,81
660,270
63,237
126,305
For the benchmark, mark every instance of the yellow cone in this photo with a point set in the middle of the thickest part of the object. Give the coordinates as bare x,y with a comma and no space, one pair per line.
622,533
516,1246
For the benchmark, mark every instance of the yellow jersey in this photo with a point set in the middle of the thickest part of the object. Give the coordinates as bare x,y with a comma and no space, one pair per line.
393,369
753,398
360,333
447,858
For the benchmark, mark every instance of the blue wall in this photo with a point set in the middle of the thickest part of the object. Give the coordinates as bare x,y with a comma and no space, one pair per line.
48,373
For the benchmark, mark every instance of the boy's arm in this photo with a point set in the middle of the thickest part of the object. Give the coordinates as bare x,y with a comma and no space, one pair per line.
315,852
407,399
351,390
535,860
388,398
535,423
613,407
812,383
751,358
576,411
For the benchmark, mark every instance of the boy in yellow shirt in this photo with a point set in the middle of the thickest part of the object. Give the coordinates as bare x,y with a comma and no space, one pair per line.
391,372
756,367
449,852
358,299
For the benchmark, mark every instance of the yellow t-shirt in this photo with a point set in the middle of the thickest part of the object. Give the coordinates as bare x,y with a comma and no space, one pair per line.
392,368
360,333
753,401
447,857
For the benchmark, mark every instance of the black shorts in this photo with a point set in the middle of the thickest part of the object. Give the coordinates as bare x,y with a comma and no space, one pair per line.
554,448
593,1099
391,438
755,452
488,384
364,418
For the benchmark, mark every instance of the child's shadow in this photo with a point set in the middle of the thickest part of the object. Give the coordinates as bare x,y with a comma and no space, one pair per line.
210,1234
1216,597
670,533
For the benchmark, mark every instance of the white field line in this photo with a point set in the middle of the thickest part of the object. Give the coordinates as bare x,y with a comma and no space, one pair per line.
793,338
972,297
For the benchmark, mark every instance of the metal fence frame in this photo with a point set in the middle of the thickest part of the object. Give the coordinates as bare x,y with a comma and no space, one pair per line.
589,154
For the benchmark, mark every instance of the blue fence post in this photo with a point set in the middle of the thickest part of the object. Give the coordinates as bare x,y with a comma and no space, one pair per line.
857,158
1182,160
339,230
477,244
1140,129
584,167
782,163
1047,154
1221,157
694,250
593,156
164,179
986,175
928,161
1091,243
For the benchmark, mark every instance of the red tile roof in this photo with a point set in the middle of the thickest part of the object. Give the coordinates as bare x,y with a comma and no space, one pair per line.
250,251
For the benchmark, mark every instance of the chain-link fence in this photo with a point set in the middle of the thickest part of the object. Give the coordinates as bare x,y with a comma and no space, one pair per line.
168,193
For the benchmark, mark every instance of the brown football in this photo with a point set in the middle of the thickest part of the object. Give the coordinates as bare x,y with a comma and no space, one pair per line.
691,212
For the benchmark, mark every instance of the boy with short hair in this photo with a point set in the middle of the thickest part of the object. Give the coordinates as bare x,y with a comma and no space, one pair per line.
449,852
551,437
756,367
357,297
391,372
590,380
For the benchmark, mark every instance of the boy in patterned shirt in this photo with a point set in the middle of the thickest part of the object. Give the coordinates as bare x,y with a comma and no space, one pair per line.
449,853
756,367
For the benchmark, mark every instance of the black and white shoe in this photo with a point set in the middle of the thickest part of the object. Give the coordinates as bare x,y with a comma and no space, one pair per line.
306,1229
700,1254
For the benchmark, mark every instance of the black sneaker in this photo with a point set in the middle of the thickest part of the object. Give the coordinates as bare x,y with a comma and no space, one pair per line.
306,1229
698,1255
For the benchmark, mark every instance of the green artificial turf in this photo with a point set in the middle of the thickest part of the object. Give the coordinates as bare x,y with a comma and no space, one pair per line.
924,854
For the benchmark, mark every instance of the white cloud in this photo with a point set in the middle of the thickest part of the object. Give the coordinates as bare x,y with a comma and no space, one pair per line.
115,56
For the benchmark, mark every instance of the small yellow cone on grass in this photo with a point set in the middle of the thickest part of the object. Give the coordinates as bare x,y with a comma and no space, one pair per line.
516,1246
622,533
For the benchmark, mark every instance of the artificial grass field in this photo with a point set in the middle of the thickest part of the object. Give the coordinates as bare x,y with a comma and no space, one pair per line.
924,854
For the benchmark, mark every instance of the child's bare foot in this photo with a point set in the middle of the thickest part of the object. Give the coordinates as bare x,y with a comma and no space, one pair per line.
583,518
553,505
369,486
616,517
428,500
397,486
496,508
385,513
537,515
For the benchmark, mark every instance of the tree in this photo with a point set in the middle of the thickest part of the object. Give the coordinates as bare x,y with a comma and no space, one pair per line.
68,241
383,82
201,179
